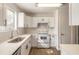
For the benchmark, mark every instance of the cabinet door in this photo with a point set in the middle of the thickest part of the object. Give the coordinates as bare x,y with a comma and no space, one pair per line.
21,20
43,19
34,40
51,21
53,41
34,22
74,14
24,48
30,22
29,47
26,21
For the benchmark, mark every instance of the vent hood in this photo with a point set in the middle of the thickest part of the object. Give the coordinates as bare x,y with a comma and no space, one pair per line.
43,25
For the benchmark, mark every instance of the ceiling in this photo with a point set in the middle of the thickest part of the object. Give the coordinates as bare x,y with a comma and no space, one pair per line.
31,8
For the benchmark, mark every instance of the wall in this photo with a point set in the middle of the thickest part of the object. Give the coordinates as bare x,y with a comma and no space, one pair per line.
74,14
66,32
64,27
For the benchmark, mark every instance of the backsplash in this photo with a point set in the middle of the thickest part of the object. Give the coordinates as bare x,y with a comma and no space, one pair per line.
38,30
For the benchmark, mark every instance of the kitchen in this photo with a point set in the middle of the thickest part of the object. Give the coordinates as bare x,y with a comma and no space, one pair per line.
40,25
29,29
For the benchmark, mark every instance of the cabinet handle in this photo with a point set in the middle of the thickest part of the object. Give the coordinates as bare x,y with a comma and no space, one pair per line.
26,46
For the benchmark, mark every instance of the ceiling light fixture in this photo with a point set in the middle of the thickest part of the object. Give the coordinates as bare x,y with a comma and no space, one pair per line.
49,4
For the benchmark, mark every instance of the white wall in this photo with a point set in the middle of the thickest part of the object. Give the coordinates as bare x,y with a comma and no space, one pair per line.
4,36
74,14
64,27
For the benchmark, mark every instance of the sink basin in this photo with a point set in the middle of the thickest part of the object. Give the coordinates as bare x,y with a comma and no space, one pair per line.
16,40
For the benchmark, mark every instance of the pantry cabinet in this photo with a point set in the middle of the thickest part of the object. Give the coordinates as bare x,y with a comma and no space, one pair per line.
74,14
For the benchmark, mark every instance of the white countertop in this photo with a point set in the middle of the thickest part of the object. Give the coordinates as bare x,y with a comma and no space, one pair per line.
9,48
69,49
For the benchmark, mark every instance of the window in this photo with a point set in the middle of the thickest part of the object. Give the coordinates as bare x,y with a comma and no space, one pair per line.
11,19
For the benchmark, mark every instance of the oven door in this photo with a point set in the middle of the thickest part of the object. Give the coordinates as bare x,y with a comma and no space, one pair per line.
43,38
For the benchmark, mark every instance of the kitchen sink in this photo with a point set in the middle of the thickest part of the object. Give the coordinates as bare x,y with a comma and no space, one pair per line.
16,40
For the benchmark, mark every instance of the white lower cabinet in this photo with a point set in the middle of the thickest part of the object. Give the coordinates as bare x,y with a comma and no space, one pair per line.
52,42
34,40
25,48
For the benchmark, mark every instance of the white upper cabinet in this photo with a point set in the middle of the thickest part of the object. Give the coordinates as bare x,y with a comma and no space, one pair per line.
28,22
42,19
21,18
74,14
34,22
24,20
51,22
